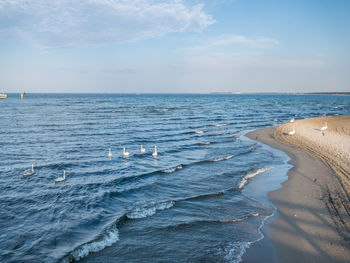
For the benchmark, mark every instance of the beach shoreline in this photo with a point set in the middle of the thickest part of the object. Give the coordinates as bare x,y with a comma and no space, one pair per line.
309,225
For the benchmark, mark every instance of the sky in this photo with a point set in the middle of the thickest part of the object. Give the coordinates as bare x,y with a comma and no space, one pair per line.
174,46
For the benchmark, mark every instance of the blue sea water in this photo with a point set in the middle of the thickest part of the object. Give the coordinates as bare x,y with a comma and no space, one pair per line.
187,205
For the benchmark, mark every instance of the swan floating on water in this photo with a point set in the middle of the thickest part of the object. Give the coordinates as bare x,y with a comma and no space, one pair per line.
61,179
125,154
109,153
292,132
29,172
143,150
155,153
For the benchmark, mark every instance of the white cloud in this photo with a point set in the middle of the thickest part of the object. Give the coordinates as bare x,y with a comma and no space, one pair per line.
237,39
233,40
92,22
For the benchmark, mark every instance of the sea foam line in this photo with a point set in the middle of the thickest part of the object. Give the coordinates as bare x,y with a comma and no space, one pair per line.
250,175
172,169
108,239
149,210
223,158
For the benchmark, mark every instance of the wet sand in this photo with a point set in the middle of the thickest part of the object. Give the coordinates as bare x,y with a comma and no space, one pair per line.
312,223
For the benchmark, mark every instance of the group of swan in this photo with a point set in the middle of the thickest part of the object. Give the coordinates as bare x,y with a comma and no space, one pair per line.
127,154
323,128
31,172
63,178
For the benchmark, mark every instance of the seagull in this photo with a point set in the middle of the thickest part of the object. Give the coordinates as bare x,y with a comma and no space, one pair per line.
292,120
125,154
155,154
109,153
143,150
29,172
292,132
61,179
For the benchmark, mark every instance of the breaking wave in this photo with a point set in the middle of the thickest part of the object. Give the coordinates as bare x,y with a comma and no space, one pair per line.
223,158
149,210
111,235
250,175
108,239
173,169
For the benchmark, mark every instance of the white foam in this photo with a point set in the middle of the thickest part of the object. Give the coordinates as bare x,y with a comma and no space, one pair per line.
107,240
173,169
246,178
149,210
199,132
204,143
220,124
223,158
236,250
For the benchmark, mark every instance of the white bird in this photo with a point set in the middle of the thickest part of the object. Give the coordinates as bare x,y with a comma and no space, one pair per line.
292,132
125,154
29,172
61,179
143,150
155,154
292,120
109,153
325,127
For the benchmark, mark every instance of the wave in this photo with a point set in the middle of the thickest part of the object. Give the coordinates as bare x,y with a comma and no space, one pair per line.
236,250
173,169
219,124
131,178
203,196
219,159
210,221
149,210
111,235
204,143
199,132
250,175
108,239
240,219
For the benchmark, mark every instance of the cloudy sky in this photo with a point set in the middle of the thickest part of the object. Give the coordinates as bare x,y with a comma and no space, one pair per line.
174,46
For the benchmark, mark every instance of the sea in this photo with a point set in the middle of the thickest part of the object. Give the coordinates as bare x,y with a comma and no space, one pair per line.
190,204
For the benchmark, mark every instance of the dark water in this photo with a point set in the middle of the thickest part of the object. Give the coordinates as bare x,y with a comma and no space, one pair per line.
188,205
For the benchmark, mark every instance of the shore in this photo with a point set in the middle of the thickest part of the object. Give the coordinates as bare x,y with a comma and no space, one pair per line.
312,223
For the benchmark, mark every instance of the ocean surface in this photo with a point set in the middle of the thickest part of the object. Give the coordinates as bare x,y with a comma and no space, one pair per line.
187,205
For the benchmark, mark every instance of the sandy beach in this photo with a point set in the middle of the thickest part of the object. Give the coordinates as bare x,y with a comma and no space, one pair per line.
313,209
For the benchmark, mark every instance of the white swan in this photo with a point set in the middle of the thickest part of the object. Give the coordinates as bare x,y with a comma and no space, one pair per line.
61,179
125,154
292,120
109,153
29,172
292,132
143,150
155,154
325,127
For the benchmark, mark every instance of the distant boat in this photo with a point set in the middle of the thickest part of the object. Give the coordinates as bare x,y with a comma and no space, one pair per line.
3,96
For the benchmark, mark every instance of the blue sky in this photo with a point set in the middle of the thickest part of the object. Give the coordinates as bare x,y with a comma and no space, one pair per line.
174,46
